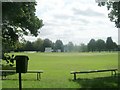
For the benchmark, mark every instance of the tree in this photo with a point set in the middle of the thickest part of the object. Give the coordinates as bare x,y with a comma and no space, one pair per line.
29,46
91,45
18,19
19,46
38,44
59,45
109,44
114,8
70,46
115,46
100,45
47,43
83,47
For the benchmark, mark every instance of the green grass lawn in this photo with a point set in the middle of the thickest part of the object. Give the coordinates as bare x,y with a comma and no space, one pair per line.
57,67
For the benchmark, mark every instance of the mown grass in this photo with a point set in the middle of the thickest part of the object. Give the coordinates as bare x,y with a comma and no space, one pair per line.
57,67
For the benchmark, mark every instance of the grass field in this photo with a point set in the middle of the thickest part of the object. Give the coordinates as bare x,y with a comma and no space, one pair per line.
57,67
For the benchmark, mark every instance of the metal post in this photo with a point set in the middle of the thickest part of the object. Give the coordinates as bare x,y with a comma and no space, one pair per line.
115,72
20,82
111,73
37,76
74,76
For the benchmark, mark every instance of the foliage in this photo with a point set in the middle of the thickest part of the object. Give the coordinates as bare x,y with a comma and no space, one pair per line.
100,45
38,44
29,46
70,46
18,19
9,59
59,45
114,8
8,67
91,45
110,45
47,43
83,48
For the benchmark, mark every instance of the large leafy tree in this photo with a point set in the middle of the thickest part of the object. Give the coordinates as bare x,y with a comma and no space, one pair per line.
47,43
114,8
18,19
59,45
110,45
92,45
38,44
100,45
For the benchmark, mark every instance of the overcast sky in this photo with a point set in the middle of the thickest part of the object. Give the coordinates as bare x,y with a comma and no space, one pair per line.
74,20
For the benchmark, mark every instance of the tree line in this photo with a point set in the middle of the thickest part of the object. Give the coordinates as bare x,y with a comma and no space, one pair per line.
101,45
93,45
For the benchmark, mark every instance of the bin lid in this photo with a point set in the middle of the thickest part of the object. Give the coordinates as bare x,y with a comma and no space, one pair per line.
18,57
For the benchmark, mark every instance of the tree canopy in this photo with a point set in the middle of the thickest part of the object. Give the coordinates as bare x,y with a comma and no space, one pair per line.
114,8
59,45
91,45
47,43
110,45
38,44
100,45
18,19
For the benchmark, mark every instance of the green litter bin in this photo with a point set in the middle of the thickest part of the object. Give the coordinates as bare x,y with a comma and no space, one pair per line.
21,63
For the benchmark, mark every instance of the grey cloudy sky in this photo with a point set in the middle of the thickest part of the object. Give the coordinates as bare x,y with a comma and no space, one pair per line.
74,20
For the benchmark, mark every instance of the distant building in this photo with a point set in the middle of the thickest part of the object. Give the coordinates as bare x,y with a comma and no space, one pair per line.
48,49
